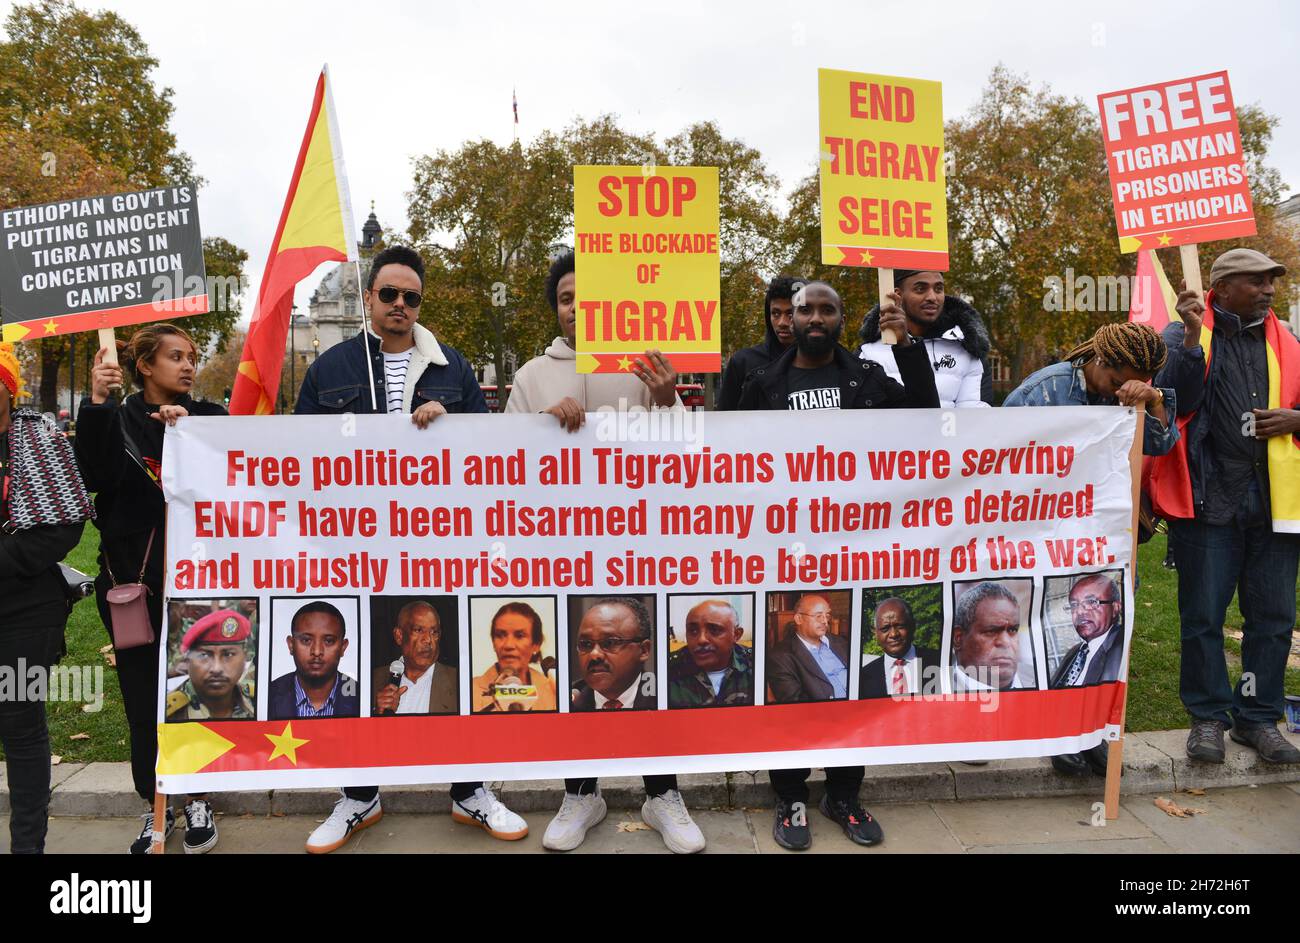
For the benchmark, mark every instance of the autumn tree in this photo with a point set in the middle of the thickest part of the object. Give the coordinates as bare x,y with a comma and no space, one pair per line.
80,116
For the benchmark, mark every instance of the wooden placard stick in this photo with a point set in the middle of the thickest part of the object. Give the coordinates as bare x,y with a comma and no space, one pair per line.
1115,749
108,341
885,279
1191,268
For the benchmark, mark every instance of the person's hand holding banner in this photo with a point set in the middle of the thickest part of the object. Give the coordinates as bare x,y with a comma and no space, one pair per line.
427,414
570,414
169,414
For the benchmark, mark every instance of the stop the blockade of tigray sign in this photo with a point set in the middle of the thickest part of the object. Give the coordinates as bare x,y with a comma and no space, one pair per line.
647,266
650,520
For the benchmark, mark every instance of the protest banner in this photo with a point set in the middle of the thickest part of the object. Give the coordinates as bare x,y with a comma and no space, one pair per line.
883,190
309,550
647,267
101,262
1177,170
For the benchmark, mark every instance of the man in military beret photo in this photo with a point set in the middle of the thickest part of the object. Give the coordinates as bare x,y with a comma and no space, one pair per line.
215,650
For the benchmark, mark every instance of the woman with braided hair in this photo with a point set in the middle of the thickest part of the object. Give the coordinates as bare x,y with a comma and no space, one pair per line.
1113,367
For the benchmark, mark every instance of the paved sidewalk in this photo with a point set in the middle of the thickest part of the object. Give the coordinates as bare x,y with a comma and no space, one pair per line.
1235,820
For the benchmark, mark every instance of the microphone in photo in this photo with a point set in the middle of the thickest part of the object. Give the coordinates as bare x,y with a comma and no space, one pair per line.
396,669
512,695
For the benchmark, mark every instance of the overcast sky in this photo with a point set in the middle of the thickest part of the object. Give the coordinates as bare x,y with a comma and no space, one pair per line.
412,78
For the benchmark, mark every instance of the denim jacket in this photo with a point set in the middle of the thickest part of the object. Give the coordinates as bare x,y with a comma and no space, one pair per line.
338,381
1062,384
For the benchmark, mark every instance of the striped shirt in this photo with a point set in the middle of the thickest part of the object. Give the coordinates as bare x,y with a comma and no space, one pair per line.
395,367
304,705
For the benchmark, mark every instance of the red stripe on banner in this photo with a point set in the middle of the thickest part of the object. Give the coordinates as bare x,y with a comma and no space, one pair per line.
682,363
115,317
503,738
894,258
1208,232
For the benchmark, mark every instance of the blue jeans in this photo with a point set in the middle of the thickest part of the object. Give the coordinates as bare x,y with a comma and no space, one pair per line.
1261,566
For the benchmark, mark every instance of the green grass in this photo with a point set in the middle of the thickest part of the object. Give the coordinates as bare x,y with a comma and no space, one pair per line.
1152,705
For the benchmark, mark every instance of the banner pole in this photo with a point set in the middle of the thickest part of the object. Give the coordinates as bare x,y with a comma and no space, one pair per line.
885,281
1115,749
1191,268
365,335
159,823
108,340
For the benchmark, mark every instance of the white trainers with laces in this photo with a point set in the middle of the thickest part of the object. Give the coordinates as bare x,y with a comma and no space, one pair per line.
488,812
577,814
349,816
668,816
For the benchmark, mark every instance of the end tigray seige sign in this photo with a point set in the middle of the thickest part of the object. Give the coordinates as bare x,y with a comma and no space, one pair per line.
101,262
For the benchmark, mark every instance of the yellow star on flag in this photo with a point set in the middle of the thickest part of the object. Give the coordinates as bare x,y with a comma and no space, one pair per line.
285,743
50,326
1164,239
624,363
866,256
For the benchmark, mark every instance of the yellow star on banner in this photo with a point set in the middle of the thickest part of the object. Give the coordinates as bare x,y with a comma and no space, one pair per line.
50,326
285,743
624,363
1164,239
866,256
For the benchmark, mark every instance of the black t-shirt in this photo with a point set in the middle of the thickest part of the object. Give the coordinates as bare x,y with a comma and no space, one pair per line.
818,388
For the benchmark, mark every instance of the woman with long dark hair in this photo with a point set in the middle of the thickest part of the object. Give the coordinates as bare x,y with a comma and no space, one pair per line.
119,445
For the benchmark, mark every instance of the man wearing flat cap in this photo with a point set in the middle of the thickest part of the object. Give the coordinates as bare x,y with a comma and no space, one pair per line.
215,653
1231,491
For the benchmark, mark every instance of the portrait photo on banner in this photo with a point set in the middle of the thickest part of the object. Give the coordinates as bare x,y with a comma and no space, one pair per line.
315,657
414,655
992,644
513,666
710,650
611,652
808,646
211,659
1083,628
902,640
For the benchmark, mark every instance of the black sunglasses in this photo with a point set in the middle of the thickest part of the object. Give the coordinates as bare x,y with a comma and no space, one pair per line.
388,294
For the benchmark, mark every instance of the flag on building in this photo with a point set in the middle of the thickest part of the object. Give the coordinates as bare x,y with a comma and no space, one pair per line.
1152,300
315,227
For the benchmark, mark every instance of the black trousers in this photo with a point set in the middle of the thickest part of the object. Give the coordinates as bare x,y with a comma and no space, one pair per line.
654,785
137,674
842,782
459,791
26,739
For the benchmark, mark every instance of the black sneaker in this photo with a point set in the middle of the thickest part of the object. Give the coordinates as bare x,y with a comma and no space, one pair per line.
1205,741
1268,741
144,842
790,830
1071,764
200,827
856,821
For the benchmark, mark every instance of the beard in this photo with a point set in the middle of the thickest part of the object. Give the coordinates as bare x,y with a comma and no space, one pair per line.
818,346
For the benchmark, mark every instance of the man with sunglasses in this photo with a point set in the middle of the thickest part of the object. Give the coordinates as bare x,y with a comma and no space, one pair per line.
613,652
408,372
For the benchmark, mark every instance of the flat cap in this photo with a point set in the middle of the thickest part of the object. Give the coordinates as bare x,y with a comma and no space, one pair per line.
1243,262
223,627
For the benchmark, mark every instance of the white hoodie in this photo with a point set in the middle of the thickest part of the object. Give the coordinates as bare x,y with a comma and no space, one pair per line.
957,374
545,380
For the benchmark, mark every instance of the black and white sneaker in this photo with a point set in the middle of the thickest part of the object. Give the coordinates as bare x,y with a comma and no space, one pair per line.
144,841
790,830
200,827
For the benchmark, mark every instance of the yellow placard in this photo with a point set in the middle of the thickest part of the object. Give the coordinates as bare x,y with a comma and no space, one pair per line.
647,267
883,194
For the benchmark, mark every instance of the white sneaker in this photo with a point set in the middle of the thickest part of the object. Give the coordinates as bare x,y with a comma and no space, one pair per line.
349,816
577,814
488,812
667,815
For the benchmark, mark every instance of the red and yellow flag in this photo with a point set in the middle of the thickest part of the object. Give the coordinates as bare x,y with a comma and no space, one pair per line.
315,226
1152,302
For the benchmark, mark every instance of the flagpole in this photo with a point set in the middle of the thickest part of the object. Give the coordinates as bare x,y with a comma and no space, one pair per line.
365,329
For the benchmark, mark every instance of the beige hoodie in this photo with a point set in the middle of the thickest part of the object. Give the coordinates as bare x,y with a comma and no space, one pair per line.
545,380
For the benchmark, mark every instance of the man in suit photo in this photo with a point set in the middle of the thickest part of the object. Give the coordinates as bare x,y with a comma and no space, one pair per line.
809,664
425,686
904,669
986,639
316,687
613,650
